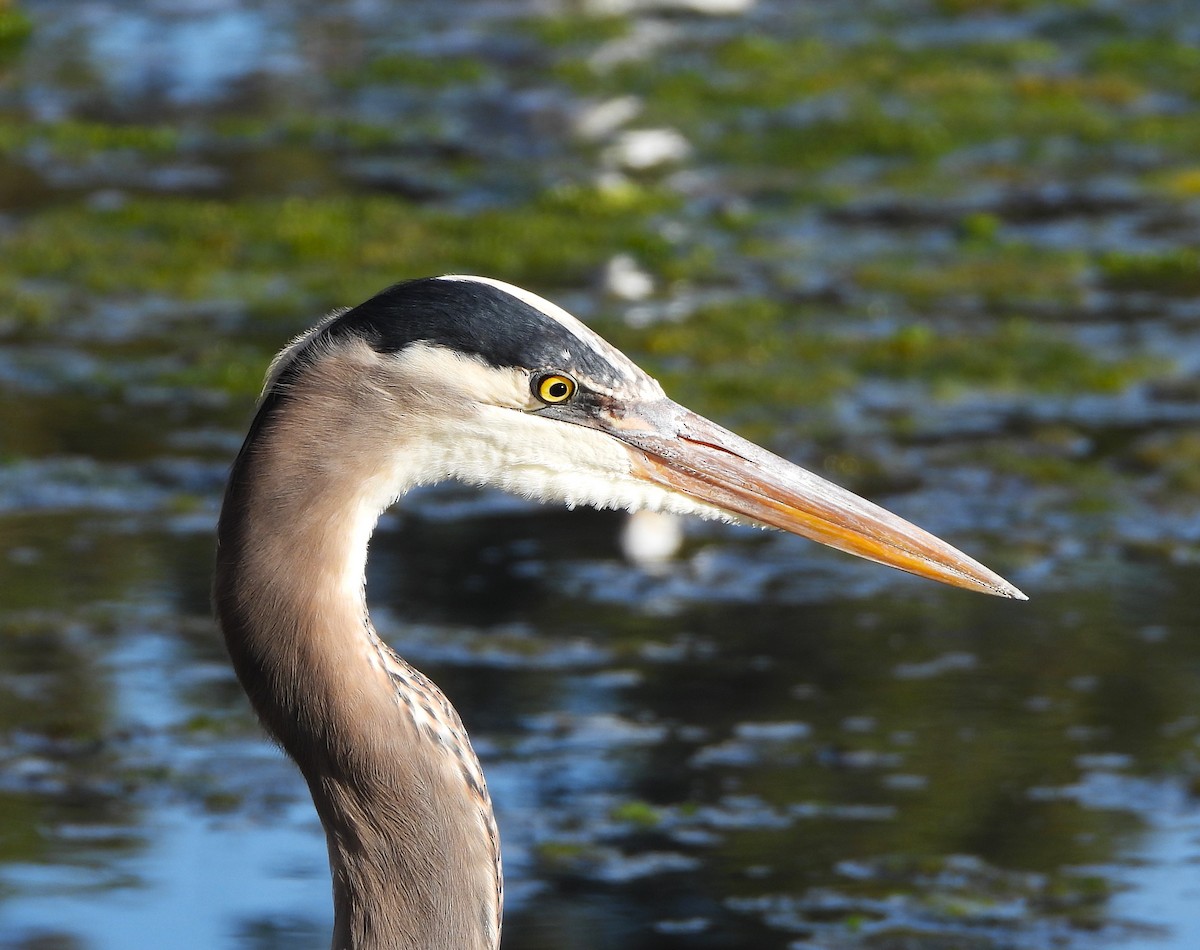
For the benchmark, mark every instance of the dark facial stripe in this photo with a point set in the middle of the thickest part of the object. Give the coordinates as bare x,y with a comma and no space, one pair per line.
471,317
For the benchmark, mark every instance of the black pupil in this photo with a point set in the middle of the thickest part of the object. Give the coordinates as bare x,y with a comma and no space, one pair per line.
557,389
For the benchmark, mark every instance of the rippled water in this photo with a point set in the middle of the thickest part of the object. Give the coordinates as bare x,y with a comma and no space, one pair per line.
756,743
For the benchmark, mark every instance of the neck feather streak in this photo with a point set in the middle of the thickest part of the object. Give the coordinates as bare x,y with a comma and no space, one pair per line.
412,841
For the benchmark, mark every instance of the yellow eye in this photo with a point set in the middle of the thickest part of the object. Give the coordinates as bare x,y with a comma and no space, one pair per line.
554,387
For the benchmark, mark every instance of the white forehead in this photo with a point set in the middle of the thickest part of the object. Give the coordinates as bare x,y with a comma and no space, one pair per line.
552,310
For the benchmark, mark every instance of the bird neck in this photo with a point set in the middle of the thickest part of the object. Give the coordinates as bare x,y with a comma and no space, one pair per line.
412,841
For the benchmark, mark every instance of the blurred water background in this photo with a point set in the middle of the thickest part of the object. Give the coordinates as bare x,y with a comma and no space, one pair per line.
944,252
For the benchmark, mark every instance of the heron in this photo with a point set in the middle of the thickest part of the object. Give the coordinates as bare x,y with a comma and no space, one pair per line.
472,379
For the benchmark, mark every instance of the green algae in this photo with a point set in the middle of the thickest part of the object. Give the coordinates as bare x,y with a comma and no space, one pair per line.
28,303
563,855
1163,62
16,27
1175,271
1092,484
574,32
640,814
280,255
227,366
78,139
983,7
1174,458
1177,182
1018,354
807,104
759,352
757,71
334,133
293,256
427,72
997,277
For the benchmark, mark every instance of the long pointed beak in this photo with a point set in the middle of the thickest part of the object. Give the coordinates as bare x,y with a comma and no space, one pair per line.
675,448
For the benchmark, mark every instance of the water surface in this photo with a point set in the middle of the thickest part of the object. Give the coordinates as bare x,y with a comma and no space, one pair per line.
941,253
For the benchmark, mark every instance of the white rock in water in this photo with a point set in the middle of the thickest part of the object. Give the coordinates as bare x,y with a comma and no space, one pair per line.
599,120
705,7
642,149
624,279
651,537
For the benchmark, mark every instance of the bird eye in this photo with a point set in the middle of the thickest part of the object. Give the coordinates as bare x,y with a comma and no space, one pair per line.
554,388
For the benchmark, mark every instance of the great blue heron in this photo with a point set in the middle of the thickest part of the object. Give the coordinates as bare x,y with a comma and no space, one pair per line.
473,379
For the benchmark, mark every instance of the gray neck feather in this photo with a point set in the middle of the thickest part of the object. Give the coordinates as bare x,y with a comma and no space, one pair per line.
412,842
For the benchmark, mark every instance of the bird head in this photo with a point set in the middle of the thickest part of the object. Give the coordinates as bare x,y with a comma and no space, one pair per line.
506,389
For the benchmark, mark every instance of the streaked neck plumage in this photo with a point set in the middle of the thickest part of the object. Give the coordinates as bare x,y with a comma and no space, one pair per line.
412,841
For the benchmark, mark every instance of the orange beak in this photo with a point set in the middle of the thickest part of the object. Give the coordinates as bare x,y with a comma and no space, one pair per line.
677,449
